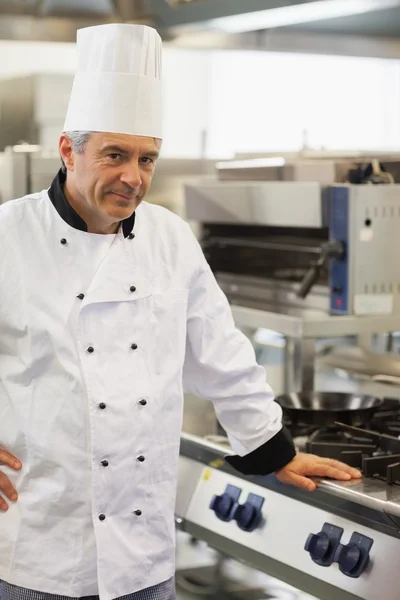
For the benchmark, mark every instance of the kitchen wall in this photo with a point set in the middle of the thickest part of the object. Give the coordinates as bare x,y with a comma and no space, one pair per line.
218,103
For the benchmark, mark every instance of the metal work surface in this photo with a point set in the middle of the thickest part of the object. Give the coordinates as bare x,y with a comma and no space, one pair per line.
312,324
290,520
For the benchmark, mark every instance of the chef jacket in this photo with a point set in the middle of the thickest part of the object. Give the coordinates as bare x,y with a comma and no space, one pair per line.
100,336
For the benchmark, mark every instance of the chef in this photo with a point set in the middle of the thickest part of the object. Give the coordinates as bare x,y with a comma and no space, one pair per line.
108,312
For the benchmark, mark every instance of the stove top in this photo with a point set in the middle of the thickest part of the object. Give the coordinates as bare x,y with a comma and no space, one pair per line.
375,449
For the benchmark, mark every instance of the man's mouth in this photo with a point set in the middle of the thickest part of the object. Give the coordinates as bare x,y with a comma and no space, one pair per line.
123,196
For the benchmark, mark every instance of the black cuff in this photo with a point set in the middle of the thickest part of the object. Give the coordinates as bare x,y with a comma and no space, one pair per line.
268,458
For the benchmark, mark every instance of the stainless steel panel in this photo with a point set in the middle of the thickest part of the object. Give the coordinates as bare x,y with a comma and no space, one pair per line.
281,204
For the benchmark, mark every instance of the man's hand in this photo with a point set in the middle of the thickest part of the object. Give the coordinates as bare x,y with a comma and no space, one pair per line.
6,487
303,466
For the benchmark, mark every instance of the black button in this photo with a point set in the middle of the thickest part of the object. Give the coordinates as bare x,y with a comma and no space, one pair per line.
63,241
138,513
104,463
131,236
81,296
141,458
102,405
102,517
90,349
143,402
132,289
134,346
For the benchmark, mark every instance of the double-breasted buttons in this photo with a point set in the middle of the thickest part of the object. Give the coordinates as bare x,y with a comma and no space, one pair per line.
102,405
104,463
102,517
141,458
90,349
138,512
132,289
63,241
131,236
81,296
143,402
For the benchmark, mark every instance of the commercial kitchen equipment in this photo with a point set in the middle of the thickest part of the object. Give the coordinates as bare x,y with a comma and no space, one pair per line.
342,541
304,248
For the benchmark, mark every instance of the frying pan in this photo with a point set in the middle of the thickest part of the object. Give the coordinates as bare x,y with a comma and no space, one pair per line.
324,408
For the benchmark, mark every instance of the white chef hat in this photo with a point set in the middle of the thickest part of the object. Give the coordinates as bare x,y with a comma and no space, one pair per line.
117,87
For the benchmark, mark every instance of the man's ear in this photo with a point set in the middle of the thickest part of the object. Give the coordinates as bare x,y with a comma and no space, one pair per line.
66,152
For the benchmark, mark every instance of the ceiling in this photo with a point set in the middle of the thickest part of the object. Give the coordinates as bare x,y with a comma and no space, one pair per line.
59,19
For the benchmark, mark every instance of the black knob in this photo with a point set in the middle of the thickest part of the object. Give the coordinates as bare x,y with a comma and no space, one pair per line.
143,402
102,517
138,512
90,349
222,506
81,296
102,405
132,288
104,463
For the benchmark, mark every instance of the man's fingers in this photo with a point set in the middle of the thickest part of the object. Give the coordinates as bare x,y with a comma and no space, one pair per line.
8,459
341,466
298,480
3,504
7,487
323,470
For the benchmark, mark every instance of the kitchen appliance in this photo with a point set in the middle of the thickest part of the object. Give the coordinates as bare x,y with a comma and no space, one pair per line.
301,248
342,541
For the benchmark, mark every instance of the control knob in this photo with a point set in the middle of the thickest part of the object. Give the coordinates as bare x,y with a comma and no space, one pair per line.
226,504
248,515
353,558
323,545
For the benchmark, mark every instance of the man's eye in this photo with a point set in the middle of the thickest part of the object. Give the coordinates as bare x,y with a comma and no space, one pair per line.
146,160
114,156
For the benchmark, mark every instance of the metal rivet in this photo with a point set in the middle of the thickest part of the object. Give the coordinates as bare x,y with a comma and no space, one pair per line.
132,289
90,349
141,458
134,346
81,296
138,512
63,241
104,463
131,236
102,517
102,405
143,402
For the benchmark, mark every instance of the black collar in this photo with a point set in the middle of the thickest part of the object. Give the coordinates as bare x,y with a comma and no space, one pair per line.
70,216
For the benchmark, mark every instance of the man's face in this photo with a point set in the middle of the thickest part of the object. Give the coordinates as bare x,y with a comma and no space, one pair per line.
112,175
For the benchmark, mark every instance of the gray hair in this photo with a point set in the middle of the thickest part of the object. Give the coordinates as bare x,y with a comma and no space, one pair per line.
78,140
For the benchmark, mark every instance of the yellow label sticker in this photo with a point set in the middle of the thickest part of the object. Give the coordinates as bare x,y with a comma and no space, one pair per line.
217,463
206,474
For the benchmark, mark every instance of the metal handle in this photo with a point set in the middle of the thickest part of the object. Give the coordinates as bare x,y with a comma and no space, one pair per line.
332,249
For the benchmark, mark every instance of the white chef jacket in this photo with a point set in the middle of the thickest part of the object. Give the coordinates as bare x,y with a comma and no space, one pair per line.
83,381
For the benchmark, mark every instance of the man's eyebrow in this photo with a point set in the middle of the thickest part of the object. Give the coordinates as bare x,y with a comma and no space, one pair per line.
114,148
151,154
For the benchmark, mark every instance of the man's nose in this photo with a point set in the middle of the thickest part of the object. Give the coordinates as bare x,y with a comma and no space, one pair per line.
131,175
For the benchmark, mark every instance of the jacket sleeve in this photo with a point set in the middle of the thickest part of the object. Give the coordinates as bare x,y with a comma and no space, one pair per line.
220,365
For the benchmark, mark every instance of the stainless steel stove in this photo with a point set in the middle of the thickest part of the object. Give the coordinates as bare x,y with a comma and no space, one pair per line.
342,541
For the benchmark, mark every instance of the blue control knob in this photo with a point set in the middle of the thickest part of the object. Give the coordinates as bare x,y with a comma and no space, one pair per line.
353,558
226,504
317,545
323,545
248,516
